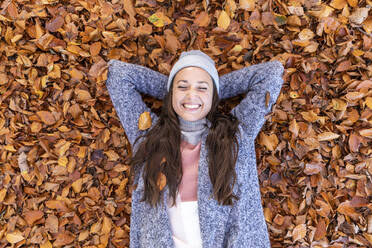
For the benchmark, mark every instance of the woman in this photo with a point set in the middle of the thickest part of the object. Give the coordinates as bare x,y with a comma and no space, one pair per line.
195,168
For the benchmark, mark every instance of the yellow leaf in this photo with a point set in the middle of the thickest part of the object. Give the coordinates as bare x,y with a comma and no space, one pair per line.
223,20
159,19
46,244
338,104
237,48
357,52
14,237
62,161
368,102
144,121
327,136
10,148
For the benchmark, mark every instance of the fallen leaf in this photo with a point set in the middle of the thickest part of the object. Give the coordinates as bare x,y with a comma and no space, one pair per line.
144,121
32,216
299,232
14,237
46,117
223,20
326,136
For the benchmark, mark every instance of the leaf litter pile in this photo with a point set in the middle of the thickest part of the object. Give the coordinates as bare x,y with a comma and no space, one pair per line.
63,179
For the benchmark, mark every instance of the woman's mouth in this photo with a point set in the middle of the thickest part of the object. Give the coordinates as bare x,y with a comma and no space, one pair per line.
191,106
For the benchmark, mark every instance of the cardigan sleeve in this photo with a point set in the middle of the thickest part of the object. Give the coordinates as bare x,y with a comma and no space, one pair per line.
125,82
247,226
256,81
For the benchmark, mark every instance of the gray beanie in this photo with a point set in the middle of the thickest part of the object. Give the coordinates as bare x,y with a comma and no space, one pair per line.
195,58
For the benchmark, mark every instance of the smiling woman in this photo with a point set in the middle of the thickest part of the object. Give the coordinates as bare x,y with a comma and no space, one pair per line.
192,93
195,168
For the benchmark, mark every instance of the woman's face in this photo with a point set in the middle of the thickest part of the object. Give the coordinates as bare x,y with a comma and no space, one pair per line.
192,93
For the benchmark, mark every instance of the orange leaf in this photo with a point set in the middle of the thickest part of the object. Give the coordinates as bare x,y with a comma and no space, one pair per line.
162,181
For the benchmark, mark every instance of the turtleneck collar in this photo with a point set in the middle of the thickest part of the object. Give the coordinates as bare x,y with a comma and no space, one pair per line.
191,131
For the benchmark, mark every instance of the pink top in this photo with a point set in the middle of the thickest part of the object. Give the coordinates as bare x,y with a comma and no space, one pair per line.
190,162
184,216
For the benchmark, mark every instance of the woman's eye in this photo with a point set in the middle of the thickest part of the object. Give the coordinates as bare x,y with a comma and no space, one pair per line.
181,87
203,88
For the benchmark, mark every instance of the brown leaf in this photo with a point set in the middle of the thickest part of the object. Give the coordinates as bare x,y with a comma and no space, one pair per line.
321,230
202,20
343,66
327,136
64,238
55,24
269,141
51,223
354,142
33,216
299,232
46,117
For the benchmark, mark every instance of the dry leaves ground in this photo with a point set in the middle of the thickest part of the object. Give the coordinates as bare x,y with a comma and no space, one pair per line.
63,180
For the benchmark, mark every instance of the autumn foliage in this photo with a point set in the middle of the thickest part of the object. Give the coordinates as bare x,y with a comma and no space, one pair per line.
63,179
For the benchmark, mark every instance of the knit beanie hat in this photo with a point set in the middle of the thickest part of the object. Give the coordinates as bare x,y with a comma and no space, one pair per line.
195,58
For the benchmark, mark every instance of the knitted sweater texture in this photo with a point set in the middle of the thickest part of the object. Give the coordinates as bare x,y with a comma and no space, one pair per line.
242,225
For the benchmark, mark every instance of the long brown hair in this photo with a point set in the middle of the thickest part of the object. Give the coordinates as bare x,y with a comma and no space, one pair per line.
159,153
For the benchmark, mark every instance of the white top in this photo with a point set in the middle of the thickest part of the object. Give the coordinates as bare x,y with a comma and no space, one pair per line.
184,220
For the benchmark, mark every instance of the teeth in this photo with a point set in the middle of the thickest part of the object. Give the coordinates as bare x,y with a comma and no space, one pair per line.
191,105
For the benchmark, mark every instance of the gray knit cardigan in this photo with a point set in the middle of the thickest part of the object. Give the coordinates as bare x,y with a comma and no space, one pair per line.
242,225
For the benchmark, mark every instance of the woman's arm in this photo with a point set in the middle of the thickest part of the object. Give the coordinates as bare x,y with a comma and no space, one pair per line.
257,81
125,82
